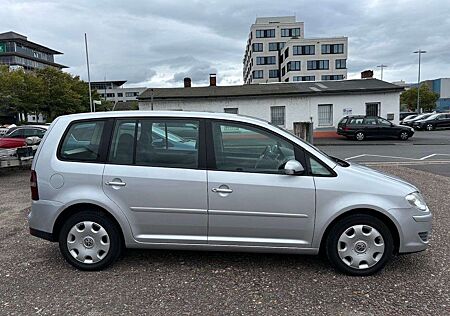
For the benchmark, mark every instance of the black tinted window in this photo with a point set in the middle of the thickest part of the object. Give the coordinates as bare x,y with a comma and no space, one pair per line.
82,141
167,143
122,147
370,121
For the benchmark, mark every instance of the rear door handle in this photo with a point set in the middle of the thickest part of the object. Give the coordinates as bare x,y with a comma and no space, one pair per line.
115,183
221,190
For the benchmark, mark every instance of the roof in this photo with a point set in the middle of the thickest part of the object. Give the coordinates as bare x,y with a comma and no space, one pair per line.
115,82
357,86
18,38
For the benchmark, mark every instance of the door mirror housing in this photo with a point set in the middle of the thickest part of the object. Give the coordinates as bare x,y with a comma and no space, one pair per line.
293,167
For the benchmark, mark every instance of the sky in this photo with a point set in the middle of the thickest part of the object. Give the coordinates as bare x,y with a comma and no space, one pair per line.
157,43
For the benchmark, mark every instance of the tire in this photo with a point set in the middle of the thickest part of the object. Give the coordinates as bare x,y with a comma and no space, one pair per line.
429,127
360,136
403,135
367,253
94,239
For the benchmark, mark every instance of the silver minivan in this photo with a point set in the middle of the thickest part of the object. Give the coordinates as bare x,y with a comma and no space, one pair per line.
104,182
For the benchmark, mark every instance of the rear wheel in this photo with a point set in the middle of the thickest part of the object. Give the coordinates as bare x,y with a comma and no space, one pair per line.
359,245
403,135
89,240
429,127
360,136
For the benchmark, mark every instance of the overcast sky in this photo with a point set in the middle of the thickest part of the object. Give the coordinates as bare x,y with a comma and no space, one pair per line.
157,43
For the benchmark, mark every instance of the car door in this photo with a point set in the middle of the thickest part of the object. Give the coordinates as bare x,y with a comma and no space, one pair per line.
447,121
386,128
370,127
159,180
251,201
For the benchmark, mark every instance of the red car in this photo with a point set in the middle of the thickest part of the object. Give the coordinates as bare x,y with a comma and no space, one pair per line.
17,135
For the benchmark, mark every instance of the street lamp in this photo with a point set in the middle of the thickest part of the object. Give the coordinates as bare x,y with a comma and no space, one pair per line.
420,52
382,66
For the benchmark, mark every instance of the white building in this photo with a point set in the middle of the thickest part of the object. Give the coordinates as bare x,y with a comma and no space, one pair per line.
115,92
324,103
277,51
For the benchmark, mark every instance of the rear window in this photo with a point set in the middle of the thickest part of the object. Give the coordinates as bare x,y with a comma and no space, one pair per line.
343,120
82,141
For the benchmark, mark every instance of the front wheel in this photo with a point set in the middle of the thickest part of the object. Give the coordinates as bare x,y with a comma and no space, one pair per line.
429,127
89,240
359,245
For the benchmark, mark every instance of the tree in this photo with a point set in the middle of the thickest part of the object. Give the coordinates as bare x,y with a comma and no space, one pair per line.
428,98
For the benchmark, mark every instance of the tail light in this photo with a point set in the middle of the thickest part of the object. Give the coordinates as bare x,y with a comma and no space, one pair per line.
346,129
34,186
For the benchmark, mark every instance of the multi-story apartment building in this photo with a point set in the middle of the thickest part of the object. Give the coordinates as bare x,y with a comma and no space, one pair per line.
17,51
277,51
114,92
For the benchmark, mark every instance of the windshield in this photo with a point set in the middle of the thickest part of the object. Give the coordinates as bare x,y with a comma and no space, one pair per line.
409,117
432,117
422,117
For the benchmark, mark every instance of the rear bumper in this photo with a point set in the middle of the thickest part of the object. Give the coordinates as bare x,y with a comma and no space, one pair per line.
42,234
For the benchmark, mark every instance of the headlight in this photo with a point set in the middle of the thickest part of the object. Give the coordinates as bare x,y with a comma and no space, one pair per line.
416,200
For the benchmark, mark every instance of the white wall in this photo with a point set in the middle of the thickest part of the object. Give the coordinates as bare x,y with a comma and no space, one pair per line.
297,108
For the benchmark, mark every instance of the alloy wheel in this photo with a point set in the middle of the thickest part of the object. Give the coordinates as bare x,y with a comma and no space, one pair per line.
360,136
404,135
429,127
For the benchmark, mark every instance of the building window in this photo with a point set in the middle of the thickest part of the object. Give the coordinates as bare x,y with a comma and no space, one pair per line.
304,78
317,64
231,110
283,71
257,74
128,94
110,95
267,60
372,109
276,46
332,48
304,50
333,77
277,115
290,32
293,66
325,114
274,73
257,47
119,94
265,33
341,63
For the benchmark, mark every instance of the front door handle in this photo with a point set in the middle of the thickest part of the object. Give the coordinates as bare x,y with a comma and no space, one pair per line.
221,190
116,183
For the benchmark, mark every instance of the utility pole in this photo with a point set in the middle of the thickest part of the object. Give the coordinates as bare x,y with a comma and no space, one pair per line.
420,52
92,106
151,100
382,66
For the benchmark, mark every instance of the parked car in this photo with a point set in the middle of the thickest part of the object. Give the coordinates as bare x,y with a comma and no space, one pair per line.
361,127
410,122
435,121
407,119
271,193
16,136
403,115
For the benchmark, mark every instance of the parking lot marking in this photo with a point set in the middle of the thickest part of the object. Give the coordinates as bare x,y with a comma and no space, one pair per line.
395,157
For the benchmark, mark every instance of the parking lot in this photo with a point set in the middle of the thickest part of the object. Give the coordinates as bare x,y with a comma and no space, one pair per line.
36,280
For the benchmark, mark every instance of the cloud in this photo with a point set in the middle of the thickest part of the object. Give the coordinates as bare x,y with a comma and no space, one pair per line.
156,43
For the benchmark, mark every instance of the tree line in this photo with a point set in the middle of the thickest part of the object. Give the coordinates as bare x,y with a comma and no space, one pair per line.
427,98
46,91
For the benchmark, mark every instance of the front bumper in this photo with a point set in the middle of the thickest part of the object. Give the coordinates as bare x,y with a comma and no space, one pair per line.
414,229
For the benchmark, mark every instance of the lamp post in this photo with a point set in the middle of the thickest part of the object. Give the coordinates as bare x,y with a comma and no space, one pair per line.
92,106
382,66
420,52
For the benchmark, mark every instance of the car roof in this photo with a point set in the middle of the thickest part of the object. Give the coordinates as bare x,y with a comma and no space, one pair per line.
31,126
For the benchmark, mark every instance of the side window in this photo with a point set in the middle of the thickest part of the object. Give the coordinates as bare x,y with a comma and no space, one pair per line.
356,121
122,147
160,144
82,141
384,122
317,169
243,148
370,121
18,133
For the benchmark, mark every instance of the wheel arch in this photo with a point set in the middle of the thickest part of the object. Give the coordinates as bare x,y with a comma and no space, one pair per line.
364,211
77,208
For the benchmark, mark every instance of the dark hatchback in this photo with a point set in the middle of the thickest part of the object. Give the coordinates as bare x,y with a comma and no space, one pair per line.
361,127
435,121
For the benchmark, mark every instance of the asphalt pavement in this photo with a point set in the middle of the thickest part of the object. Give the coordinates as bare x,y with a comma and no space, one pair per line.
35,280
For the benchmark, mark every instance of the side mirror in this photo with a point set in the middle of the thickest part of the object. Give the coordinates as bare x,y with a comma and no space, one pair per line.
293,167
